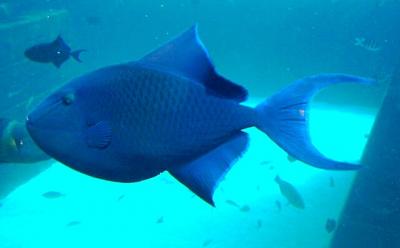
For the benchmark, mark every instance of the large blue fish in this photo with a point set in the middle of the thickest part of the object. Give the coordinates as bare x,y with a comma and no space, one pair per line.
171,111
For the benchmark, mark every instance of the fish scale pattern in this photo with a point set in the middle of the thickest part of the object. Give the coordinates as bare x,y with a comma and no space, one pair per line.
164,116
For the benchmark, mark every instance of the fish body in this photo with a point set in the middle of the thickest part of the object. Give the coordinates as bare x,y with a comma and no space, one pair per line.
278,205
245,208
332,182
232,203
369,45
330,225
170,111
73,223
291,159
52,194
290,193
55,52
16,145
259,224
160,220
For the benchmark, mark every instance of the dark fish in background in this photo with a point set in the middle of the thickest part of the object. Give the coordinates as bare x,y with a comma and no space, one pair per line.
73,223
278,205
245,208
290,193
171,111
121,197
232,203
265,162
93,20
331,182
330,225
259,224
16,145
160,220
207,242
291,159
52,195
56,52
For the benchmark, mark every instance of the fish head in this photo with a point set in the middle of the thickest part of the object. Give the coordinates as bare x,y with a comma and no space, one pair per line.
31,52
56,124
68,125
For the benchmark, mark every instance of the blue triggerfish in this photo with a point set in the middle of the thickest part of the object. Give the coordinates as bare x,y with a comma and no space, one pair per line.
55,52
171,111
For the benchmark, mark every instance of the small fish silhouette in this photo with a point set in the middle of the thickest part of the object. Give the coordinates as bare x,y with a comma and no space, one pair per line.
278,205
207,242
160,220
232,203
73,223
291,159
330,225
259,224
52,195
121,197
290,193
369,45
245,208
265,162
55,52
331,182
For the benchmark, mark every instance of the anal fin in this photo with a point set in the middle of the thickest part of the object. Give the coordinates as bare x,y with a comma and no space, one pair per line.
203,174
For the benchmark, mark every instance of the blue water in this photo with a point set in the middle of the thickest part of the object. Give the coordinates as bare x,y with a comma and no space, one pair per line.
263,45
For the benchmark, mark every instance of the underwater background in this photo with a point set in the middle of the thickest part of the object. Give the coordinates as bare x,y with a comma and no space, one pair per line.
262,45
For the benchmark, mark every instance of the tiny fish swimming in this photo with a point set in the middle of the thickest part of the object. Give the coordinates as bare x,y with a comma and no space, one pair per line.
171,111
56,52
290,193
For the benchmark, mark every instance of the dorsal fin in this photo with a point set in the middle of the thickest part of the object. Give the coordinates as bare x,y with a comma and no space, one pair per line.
186,56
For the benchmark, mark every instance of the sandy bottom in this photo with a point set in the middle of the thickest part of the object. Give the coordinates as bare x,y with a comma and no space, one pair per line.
162,213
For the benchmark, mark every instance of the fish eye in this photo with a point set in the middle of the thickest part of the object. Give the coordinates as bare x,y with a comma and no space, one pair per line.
68,99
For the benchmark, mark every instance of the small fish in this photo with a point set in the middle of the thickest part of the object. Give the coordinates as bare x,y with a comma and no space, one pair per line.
366,135
207,242
121,197
160,220
331,182
56,52
171,111
259,224
330,225
291,159
93,20
245,208
265,162
232,203
290,193
1,204
369,45
73,223
53,194
278,205
271,167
